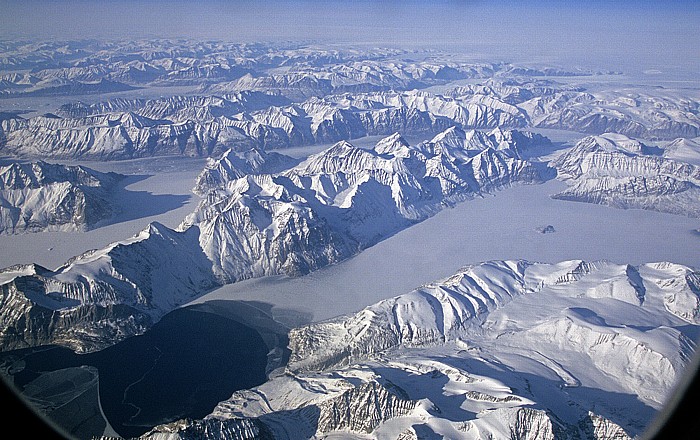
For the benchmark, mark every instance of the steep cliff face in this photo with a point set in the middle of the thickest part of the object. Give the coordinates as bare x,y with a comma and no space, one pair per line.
359,410
362,409
600,428
256,227
231,429
467,111
41,196
537,424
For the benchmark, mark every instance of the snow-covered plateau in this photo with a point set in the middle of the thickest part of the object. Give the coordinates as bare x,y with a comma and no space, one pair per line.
313,194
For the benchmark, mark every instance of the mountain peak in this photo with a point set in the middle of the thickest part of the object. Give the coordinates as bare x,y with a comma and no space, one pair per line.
452,136
394,145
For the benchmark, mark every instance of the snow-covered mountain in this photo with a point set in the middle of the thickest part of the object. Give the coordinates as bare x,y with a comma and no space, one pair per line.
645,116
514,90
614,170
502,349
477,111
233,165
40,196
651,114
319,212
63,87
160,62
684,150
116,136
339,102
303,82
208,126
289,68
177,108
103,296
346,198
338,95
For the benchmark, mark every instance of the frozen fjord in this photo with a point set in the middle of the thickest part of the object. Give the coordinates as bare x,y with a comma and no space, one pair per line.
502,225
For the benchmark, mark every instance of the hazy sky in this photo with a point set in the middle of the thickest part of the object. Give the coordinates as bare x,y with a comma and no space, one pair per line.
644,33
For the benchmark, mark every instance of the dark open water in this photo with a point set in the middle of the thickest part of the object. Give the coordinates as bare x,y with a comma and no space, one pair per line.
187,363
